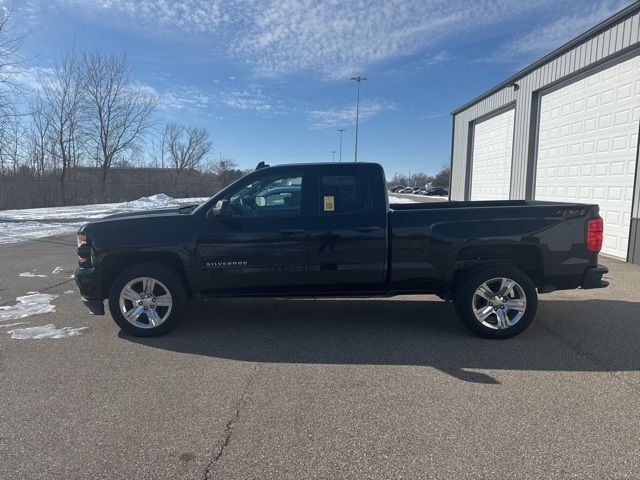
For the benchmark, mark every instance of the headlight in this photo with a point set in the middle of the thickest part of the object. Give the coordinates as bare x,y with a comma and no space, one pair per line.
84,249
82,239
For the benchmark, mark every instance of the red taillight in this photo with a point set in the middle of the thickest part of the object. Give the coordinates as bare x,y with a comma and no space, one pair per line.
595,234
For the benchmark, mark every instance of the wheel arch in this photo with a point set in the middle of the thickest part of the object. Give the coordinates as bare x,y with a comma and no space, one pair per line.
115,264
527,258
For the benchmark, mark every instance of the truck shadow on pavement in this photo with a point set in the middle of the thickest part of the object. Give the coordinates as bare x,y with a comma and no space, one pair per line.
567,335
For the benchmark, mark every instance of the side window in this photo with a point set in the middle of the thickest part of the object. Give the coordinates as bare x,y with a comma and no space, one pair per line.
343,194
276,195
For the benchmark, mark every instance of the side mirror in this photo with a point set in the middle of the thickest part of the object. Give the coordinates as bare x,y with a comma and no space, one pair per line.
222,209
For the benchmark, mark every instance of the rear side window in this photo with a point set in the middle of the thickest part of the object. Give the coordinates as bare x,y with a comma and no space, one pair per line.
343,194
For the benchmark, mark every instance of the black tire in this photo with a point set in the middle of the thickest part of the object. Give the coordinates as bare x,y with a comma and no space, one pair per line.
168,278
464,301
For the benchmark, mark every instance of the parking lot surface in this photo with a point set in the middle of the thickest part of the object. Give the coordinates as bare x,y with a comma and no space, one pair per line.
318,388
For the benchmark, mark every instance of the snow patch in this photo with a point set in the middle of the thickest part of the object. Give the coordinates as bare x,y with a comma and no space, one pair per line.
45,331
15,232
28,224
57,270
410,198
9,325
31,275
394,199
33,303
68,292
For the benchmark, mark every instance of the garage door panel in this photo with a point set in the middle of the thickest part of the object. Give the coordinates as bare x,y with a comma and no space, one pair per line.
587,146
491,158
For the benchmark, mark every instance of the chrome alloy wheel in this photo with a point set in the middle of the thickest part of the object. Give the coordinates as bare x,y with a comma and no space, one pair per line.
499,303
145,302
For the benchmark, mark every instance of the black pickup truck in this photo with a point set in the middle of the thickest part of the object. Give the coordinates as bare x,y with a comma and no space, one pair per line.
328,229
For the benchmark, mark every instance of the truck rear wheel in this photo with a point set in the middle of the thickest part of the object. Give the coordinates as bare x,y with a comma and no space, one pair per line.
147,299
497,302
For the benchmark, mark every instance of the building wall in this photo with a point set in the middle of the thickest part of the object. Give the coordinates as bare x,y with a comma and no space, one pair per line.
620,39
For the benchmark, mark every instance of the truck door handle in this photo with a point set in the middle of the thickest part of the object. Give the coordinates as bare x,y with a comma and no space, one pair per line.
367,228
291,231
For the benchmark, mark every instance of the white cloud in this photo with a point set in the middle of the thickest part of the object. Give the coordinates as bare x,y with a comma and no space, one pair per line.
549,36
185,98
250,99
188,15
337,117
432,116
439,57
336,39
28,77
329,38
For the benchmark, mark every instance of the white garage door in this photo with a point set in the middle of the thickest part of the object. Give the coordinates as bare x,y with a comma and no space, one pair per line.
491,160
587,147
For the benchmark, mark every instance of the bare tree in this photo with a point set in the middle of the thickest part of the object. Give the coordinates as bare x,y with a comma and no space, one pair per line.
62,100
39,134
186,147
10,43
119,112
226,171
159,149
442,177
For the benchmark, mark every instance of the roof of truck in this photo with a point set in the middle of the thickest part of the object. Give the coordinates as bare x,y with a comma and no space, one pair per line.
315,164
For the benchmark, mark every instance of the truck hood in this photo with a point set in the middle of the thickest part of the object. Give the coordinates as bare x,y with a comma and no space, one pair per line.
150,227
144,213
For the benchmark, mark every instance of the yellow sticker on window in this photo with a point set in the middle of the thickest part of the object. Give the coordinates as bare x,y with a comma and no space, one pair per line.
329,204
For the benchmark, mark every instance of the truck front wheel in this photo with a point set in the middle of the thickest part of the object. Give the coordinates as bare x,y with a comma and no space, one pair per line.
497,302
147,299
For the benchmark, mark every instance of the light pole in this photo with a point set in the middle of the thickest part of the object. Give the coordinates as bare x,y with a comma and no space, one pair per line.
341,130
358,79
334,155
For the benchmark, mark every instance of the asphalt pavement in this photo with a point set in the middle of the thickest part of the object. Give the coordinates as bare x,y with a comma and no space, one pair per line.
318,388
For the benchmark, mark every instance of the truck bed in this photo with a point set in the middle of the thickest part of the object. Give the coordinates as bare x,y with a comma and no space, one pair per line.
429,240
478,204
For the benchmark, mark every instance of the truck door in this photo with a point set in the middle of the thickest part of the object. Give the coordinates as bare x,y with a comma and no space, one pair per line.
261,247
348,231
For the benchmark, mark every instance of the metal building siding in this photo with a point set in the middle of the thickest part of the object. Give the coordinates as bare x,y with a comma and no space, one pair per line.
617,38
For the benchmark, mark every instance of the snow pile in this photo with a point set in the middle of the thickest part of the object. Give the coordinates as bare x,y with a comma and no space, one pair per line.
45,331
33,303
28,224
159,200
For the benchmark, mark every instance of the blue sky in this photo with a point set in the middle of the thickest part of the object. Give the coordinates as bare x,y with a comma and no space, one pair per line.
270,79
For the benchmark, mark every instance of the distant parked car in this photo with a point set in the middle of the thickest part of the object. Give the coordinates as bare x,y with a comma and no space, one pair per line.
442,192
406,190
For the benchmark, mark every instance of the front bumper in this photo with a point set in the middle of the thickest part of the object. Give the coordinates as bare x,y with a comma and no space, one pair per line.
593,278
88,281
